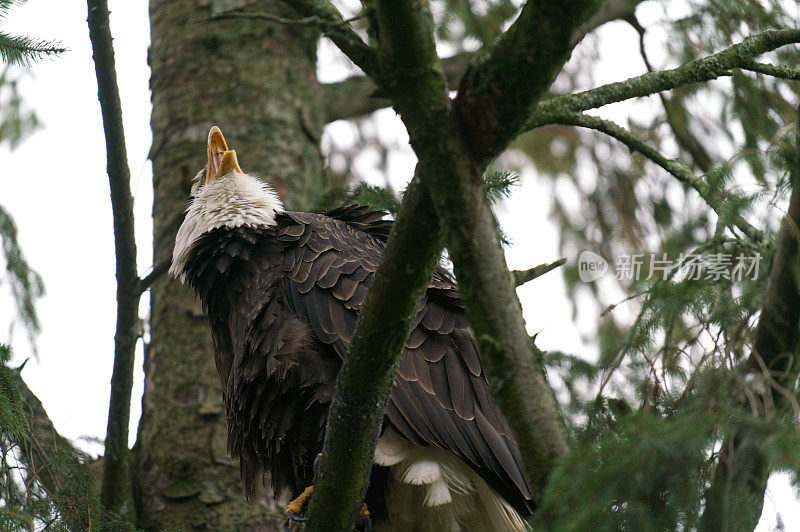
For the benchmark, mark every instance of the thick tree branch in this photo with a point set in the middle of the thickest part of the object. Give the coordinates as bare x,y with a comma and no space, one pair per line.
713,197
116,489
774,359
417,86
737,56
368,372
504,81
411,76
358,95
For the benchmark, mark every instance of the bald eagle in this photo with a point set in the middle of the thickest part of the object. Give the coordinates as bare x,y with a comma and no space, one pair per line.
282,291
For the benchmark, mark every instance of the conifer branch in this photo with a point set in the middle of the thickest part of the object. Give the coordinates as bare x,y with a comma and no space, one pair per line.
26,284
20,50
715,199
705,69
774,358
50,457
116,489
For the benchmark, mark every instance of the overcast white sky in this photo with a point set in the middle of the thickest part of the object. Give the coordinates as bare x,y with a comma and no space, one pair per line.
55,186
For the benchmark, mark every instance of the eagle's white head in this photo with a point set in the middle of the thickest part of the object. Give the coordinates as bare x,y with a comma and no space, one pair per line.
222,196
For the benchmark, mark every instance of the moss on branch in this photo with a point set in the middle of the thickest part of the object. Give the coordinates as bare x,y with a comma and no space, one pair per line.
707,68
505,80
367,374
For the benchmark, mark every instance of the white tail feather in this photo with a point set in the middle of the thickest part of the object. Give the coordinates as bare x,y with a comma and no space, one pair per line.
433,490
422,472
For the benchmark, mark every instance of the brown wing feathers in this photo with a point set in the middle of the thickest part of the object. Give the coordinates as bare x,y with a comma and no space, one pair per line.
283,302
441,397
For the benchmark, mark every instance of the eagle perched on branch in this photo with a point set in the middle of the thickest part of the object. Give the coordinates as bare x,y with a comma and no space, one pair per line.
282,291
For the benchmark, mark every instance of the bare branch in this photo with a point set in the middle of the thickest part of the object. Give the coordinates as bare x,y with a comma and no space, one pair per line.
772,70
675,112
116,490
720,64
158,271
523,276
714,198
359,95
338,30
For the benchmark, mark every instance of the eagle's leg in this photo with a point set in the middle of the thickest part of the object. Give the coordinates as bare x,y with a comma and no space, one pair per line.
295,510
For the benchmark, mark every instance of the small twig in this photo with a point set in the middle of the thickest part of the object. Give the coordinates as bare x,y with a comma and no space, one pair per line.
772,70
523,276
312,20
681,172
158,270
674,110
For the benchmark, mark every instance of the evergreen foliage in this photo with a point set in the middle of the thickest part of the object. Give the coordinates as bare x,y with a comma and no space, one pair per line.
15,120
20,49
12,418
26,285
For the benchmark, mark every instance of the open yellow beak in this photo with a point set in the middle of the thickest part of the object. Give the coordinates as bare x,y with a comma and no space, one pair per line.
221,160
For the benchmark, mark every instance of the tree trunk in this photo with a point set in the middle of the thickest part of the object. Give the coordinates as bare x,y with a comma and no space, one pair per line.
257,81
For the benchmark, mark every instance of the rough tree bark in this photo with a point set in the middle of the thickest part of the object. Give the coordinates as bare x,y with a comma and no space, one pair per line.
257,81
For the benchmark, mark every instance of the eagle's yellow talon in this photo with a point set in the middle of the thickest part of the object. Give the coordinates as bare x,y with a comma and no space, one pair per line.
297,505
364,519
